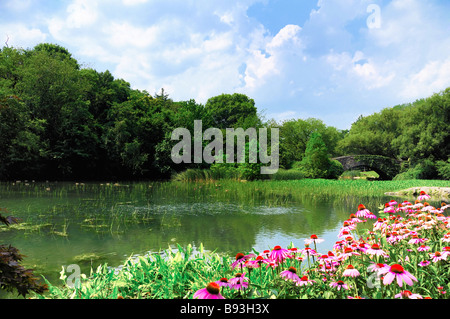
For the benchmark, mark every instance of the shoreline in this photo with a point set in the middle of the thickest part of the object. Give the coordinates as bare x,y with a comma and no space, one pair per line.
437,192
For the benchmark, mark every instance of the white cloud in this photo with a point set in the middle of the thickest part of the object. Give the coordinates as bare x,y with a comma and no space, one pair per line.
81,13
432,78
329,67
20,35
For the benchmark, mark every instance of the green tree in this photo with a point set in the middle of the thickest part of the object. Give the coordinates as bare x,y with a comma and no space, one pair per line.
233,111
373,134
294,136
315,163
54,93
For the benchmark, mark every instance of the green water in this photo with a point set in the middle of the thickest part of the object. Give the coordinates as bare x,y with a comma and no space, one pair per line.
90,224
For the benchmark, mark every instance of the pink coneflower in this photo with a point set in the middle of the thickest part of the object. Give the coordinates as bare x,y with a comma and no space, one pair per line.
437,256
388,209
417,240
238,282
308,251
408,294
362,247
423,196
347,228
392,203
339,285
212,291
417,204
279,254
257,262
350,271
241,259
376,250
446,238
377,267
314,239
446,251
423,248
223,282
348,252
290,274
354,219
293,251
304,281
344,234
363,212
379,224
424,263
396,271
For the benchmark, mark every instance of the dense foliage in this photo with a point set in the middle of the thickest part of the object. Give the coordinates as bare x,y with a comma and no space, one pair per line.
60,120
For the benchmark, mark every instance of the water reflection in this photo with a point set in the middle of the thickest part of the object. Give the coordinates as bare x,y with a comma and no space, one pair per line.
108,225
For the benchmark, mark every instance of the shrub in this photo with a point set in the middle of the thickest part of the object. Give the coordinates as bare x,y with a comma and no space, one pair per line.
443,169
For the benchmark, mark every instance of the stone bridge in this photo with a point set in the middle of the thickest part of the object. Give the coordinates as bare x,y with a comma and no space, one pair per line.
386,167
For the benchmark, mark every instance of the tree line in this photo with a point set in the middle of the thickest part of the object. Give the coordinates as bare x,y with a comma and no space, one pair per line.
62,121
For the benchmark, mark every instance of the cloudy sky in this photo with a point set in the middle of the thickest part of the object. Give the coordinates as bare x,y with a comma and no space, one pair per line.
329,59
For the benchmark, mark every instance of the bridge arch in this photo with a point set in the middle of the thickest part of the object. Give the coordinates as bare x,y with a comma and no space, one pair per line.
385,167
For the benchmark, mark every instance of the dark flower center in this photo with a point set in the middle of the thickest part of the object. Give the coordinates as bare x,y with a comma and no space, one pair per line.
396,268
213,288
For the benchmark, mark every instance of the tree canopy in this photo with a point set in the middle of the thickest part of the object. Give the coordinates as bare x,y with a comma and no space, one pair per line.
59,120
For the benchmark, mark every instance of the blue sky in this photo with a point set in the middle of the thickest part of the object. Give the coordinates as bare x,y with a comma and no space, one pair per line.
326,59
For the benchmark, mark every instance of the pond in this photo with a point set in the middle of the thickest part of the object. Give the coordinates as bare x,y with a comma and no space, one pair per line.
95,223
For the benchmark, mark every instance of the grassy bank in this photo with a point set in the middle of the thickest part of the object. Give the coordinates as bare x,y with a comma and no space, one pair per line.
305,187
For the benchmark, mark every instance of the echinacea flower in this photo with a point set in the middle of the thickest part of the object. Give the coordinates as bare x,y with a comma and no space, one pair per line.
238,281
423,248
417,240
424,263
388,208
257,262
437,256
423,196
279,254
392,203
446,238
241,259
408,294
446,251
223,282
339,285
350,271
396,271
212,291
376,250
313,239
377,267
354,219
304,281
363,212
290,274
